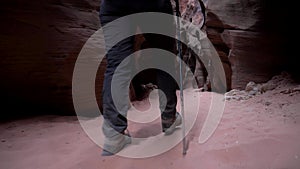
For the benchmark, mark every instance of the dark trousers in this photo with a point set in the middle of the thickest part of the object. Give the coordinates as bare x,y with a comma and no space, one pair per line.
110,11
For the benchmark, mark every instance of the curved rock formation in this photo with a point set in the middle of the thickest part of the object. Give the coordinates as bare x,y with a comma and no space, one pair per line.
40,41
249,38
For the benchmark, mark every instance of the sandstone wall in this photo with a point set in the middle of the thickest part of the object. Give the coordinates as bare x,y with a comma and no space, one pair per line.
249,38
40,41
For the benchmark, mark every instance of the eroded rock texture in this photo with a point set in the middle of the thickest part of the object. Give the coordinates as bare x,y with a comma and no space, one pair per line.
248,35
40,41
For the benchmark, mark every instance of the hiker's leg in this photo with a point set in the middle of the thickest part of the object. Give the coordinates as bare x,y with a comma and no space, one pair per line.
165,81
115,121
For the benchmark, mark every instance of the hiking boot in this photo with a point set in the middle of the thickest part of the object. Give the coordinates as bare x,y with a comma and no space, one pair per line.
115,144
176,123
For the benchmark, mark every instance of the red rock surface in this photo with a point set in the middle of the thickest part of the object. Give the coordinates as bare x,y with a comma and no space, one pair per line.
40,41
245,38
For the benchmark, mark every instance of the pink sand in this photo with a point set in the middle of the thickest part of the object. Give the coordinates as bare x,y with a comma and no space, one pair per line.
259,133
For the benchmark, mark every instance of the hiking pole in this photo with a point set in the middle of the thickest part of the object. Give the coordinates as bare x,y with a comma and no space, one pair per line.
181,78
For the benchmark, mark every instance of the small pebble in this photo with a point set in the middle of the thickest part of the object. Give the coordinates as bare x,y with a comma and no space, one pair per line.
268,103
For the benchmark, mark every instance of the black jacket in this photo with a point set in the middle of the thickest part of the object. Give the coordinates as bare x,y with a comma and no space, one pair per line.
125,7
